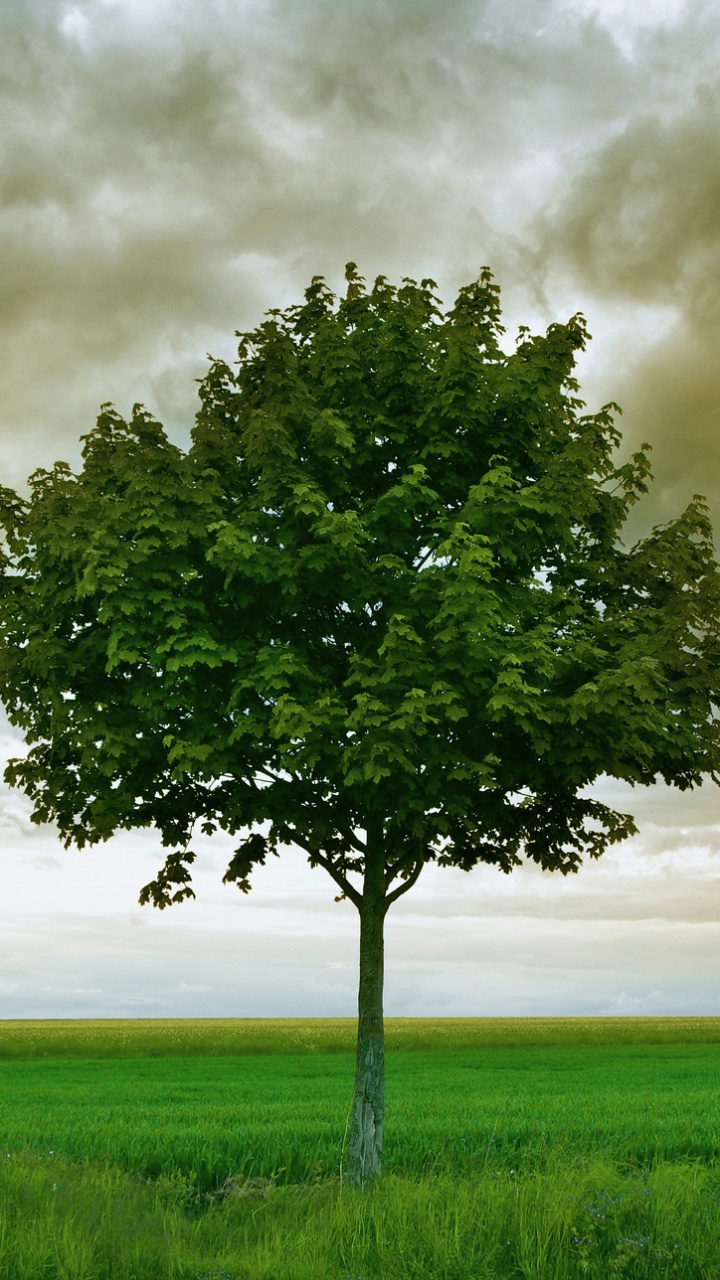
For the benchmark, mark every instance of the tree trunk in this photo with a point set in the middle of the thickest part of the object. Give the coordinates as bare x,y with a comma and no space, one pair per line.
368,1107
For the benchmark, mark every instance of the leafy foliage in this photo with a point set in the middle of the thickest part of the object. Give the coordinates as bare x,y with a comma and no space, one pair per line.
385,590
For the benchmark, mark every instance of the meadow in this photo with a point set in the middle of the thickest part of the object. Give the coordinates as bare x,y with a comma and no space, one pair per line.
540,1148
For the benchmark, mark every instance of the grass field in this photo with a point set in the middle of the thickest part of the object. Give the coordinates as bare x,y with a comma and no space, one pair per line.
538,1148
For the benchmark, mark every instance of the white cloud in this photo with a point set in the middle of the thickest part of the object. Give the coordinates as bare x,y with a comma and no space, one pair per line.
625,20
624,1005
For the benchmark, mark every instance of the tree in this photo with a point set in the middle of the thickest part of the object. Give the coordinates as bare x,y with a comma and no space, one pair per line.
381,608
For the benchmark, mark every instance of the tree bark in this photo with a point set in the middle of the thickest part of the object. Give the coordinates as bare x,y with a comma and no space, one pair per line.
368,1107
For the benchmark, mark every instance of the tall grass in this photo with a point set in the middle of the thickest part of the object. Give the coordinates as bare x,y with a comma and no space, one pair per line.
71,1221
547,1149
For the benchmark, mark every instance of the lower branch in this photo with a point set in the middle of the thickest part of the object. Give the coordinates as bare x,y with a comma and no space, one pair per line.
407,884
347,889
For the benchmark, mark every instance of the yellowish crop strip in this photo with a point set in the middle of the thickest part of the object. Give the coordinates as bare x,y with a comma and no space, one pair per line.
210,1036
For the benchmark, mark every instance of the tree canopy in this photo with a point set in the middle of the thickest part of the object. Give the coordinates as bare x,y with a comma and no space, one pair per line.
385,586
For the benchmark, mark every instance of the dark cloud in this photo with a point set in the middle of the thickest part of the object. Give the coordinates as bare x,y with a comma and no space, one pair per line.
168,173
642,218
637,224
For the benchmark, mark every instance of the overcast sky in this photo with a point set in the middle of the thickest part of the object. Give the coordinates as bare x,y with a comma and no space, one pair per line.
169,170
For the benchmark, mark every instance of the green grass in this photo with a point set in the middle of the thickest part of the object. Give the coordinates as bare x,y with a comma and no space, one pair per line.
211,1117
541,1148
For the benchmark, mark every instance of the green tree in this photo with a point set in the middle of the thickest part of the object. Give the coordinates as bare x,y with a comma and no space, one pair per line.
380,608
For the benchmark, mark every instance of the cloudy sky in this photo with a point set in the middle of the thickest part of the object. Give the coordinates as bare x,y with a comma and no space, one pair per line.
171,168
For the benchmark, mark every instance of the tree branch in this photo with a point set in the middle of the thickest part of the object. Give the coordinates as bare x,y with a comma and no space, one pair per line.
338,877
407,884
353,840
432,551
263,772
393,868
